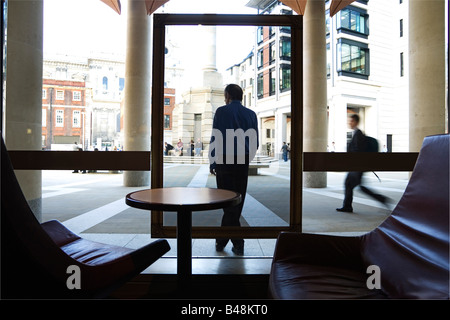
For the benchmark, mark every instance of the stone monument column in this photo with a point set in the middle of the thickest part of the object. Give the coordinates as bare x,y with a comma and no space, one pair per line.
210,78
426,70
209,40
23,111
204,96
315,87
137,105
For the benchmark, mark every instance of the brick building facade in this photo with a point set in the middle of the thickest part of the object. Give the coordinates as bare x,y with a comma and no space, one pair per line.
63,112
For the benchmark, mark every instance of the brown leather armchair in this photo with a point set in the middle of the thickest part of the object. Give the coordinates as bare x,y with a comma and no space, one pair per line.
38,260
410,248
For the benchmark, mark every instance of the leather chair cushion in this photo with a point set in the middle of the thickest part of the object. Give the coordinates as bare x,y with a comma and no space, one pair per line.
290,280
82,250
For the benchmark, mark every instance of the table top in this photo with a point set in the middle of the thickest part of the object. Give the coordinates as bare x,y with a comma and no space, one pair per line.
183,198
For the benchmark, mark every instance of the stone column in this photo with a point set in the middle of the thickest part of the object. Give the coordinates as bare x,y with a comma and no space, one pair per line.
23,111
426,70
137,88
315,87
210,77
209,40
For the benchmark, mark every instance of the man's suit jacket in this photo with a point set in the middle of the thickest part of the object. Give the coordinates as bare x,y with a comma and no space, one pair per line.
233,116
357,142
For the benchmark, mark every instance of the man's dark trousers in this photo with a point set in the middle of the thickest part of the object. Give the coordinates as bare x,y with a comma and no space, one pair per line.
232,177
353,180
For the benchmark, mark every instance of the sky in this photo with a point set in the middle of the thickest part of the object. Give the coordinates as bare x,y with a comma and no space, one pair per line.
85,27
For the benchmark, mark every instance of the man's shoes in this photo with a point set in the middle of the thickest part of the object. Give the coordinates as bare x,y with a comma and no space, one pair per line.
344,209
219,247
238,251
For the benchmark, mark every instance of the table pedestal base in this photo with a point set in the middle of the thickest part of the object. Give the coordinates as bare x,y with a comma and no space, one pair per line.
184,249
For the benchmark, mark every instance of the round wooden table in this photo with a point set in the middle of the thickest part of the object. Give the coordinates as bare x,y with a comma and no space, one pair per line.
184,201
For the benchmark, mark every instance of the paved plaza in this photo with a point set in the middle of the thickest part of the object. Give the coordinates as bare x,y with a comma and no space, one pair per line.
93,205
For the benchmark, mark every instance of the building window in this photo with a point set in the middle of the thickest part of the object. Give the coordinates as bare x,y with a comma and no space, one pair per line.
260,34
260,61
167,101
328,60
76,120
285,30
44,93
59,94
352,59
260,86
166,121
118,122
121,84
59,118
77,96
105,84
44,117
327,23
401,28
353,21
271,32
272,53
285,48
272,83
285,77
402,71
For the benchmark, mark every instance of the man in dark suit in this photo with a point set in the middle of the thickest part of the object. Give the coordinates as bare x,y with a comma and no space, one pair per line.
357,144
234,142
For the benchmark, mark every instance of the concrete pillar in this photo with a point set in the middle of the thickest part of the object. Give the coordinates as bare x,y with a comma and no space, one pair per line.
426,70
315,87
23,111
137,88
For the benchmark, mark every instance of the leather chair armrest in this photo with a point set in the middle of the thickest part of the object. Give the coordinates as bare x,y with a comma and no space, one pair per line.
318,249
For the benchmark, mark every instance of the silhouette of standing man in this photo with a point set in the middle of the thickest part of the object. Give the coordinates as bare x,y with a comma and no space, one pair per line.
234,142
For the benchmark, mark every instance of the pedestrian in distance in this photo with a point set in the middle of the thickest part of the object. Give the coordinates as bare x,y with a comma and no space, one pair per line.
284,150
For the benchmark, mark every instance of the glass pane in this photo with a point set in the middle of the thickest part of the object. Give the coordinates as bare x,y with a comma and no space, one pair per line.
362,24
355,63
345,18
202,63
345,57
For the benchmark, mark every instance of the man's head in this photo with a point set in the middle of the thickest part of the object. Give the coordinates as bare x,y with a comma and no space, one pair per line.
353,121
233,92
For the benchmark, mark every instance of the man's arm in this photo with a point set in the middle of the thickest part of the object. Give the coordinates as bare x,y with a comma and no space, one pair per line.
212,165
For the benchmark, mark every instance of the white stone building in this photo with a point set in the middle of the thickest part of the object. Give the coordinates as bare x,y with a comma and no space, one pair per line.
367,65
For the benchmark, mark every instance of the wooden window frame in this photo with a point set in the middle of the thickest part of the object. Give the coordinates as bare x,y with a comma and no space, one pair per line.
295,22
